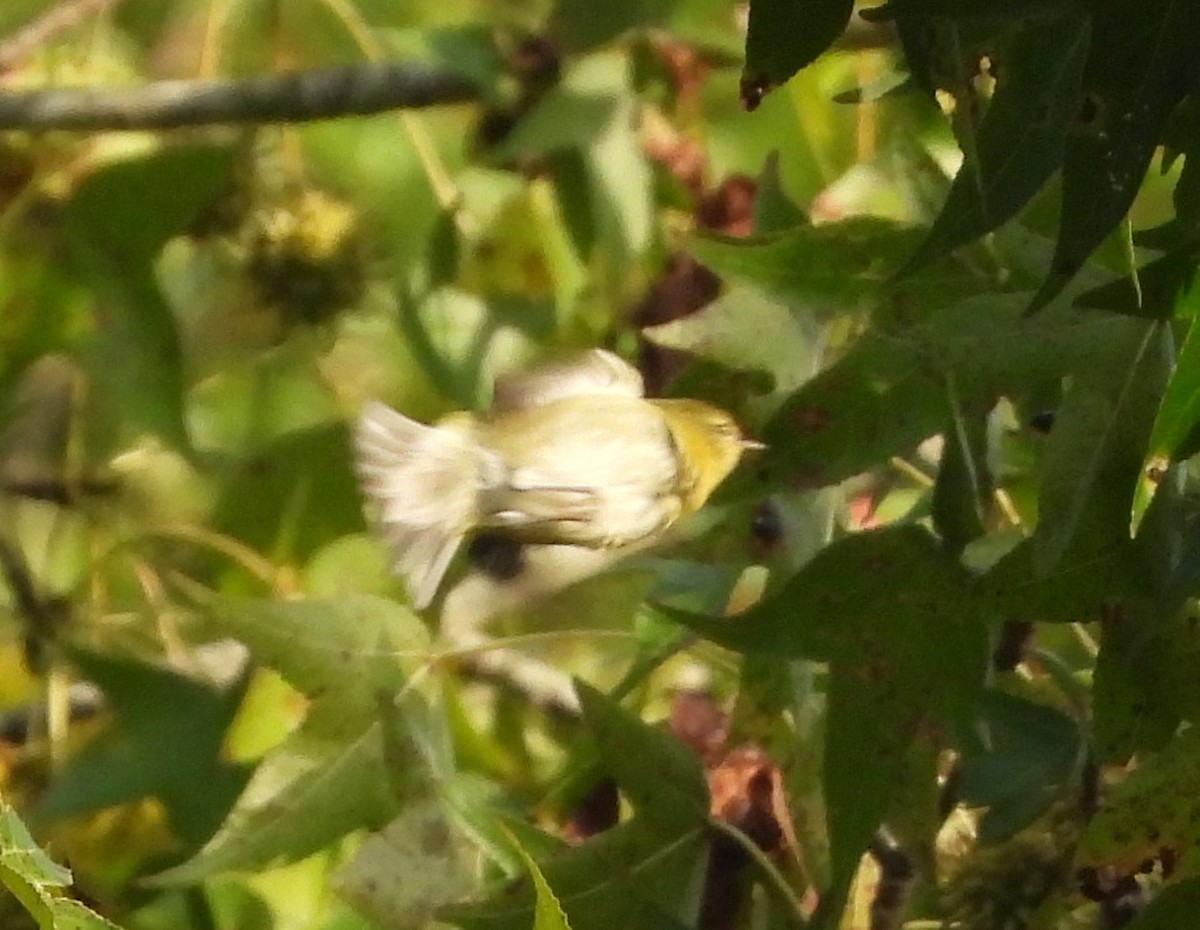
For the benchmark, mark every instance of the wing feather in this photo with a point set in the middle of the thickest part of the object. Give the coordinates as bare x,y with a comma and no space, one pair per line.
595,372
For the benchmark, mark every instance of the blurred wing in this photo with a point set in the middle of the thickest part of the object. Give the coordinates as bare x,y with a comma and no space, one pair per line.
421,484
596,372
605,475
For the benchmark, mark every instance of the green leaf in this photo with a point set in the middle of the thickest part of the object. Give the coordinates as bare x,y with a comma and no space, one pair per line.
116,223
907,643
633,874
661,777
629,876
963,491
131,209
334,774
566,118
37,882
1093,458
23,857
401,875
1024,756
1141,64
165,743
893,388
1020,141
1145,678
548,912
323,782
356,647
294,495
1179,413
583,25
1156,292
1156,807
826,611
774,210
834,265
1172,907
1081,589
784,36
746,329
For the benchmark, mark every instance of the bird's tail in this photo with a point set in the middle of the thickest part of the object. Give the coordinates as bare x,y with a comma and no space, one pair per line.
421,483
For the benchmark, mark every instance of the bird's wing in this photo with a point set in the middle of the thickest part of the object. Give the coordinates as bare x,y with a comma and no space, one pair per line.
604,476
595,372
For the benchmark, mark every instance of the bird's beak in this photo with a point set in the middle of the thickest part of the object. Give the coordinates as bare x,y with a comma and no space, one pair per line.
753,445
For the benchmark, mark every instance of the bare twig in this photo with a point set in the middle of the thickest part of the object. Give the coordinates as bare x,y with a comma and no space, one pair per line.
321,93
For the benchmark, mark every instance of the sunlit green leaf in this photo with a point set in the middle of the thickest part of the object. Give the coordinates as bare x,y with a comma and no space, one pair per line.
402,874
333,774
116,222
37,882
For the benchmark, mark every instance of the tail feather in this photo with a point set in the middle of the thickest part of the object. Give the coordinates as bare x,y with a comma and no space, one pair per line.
420,481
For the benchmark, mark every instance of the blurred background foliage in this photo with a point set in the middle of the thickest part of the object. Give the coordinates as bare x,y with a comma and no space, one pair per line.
964,570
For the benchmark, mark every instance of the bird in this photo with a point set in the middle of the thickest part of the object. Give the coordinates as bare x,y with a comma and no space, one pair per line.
569,453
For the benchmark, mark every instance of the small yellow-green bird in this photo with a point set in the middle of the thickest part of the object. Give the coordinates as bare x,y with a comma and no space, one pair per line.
568,453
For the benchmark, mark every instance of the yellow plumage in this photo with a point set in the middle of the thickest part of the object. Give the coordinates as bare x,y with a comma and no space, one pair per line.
569,453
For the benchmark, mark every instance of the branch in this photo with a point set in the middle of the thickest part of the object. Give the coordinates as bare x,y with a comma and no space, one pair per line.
321,93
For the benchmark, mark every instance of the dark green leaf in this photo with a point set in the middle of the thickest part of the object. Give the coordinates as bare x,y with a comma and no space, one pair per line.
166,743
1026,755
784,36
129,210
1127,719
661,777
1153,295
893,389
1141,64
963,492
1020,141
1173,907
628,876
1077,591
907,642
